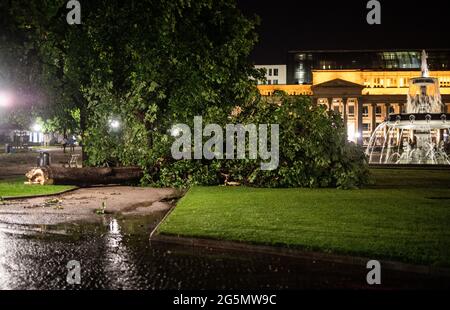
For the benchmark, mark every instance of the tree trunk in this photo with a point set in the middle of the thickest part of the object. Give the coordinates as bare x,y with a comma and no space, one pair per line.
83,126
84,176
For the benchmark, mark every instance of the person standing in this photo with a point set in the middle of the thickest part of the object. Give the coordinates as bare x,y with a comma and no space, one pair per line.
64,144
72,144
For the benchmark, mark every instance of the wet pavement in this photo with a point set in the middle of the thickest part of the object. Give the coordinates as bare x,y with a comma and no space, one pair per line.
83,205
116,254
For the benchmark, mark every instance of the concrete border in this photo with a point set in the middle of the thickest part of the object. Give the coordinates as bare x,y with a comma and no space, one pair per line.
154,232
409,167
294,253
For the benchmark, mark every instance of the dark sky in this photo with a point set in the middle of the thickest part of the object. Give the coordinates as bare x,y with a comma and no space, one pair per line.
294,25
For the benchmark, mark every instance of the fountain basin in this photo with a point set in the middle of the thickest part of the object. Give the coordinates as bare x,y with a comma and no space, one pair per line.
420,121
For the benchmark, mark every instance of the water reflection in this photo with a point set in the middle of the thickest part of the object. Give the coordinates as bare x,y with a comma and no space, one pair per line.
114,227
116,254
117,261
5,279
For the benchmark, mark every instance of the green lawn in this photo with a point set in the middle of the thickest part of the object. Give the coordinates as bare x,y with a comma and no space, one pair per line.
16,188
386,220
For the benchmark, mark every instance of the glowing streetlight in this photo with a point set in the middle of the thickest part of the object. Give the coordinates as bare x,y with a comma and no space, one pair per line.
175,131
114,124
36,128
5,99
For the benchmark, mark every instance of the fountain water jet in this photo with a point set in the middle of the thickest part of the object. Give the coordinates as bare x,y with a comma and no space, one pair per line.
419,136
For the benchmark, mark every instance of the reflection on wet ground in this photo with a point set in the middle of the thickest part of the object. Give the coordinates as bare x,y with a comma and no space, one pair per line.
118,255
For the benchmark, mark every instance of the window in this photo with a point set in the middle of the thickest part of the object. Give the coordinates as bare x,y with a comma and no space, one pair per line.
378,110
391,110
365,111
366,127
269,82
336,109
275,72
445,82
376,82
351,110
270,72
275,82
393,83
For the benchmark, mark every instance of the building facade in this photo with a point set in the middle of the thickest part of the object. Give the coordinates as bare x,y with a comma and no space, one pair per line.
364,86
274,74
15,136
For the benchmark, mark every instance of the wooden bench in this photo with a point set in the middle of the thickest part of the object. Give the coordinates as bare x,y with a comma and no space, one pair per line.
73,161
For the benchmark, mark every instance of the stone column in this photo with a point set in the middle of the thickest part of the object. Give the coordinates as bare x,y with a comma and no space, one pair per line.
388,106
360,120
344,112
330,104
315,101
373,122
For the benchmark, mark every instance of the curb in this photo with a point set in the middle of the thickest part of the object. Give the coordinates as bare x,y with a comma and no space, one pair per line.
39,196
154,232
295,253
409,167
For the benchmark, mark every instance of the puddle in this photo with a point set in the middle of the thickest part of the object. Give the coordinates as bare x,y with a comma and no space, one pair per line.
115,253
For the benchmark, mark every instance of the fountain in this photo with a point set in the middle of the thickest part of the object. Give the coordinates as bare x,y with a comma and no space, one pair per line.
421,135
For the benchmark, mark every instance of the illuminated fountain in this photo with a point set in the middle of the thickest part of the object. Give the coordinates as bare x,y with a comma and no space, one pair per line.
419,136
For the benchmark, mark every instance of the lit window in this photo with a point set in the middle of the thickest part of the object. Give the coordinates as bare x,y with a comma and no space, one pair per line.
351,110
377,82
378,110
365,111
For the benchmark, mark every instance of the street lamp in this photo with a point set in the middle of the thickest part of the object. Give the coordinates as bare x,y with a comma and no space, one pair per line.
5,99
114,124
36,128
175,131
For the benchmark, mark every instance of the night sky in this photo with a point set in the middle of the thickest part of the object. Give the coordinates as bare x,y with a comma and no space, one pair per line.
296,25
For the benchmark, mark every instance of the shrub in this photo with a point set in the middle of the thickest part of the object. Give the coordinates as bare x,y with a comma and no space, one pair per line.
314,151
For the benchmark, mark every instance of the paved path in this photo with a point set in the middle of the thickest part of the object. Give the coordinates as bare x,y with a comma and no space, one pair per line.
82,204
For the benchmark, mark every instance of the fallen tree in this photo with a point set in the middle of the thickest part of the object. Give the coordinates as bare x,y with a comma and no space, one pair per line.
83,176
